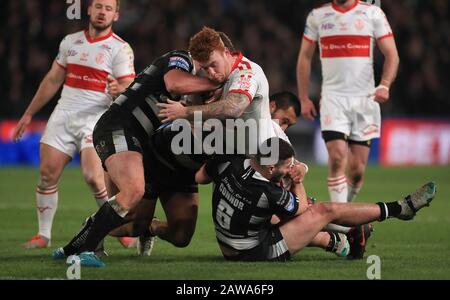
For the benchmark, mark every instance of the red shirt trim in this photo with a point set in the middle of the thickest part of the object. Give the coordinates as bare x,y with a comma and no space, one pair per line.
98,39
390,34
237,62
127,76
118,38
344,10
309,40
250,97
60,65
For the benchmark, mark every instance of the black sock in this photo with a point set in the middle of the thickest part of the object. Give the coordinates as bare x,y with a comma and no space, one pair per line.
147,233
389,210
97,227
334,241
74,245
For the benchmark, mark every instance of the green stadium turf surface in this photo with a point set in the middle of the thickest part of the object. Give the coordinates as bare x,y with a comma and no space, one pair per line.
419,249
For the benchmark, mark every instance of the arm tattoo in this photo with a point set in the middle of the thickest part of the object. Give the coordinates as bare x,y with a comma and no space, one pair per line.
231,107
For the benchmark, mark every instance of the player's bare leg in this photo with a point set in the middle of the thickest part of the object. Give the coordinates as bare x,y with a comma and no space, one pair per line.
142,217
51,167
299,232
127,172
126,241
181,211
337,165
92,170
111,187
357,161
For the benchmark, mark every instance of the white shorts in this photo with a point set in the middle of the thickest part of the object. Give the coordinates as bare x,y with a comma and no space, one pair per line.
357,117
70,131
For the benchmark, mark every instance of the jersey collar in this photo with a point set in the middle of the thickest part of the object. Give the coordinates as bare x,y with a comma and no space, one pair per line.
99,39
238,60
344,10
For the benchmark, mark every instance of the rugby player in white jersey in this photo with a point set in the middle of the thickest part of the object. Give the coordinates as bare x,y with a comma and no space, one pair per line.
346,32
94,65
245,91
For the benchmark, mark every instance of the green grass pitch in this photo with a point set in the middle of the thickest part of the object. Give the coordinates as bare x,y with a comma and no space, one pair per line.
419,249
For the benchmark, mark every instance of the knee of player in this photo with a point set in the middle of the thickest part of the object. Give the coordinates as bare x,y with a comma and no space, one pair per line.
182,235
47,178
324,208
94,180
182,241
337,157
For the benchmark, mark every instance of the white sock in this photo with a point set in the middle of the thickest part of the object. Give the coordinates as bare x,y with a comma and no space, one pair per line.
352,192
101,197
337,228
337,188
46,205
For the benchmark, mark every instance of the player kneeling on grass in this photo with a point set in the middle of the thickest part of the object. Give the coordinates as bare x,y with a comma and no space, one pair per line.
246,195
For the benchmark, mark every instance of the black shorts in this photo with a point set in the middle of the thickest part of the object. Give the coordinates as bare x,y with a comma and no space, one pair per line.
329,136
272,248
114,134
163,178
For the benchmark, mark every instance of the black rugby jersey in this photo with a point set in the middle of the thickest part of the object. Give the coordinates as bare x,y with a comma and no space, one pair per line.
244,202
139,100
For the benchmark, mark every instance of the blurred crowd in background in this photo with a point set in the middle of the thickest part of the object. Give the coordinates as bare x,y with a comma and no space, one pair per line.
268,32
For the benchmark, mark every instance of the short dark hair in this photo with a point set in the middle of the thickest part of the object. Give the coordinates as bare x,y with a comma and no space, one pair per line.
284,149
285,99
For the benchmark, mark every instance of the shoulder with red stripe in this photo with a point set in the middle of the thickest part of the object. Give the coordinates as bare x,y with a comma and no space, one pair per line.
118,38
244,64
72,38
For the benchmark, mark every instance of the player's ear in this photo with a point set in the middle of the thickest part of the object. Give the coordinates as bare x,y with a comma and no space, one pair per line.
273,106
116,16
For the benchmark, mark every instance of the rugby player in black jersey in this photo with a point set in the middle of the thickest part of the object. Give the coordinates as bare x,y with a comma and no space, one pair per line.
121,137
246,195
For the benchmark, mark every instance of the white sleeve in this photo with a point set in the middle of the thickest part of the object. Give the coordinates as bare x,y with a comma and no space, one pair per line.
381,27
123,64
64,46
311,33
244,82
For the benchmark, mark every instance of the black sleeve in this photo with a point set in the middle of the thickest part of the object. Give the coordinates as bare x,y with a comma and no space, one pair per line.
214,165
282,201
180,60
